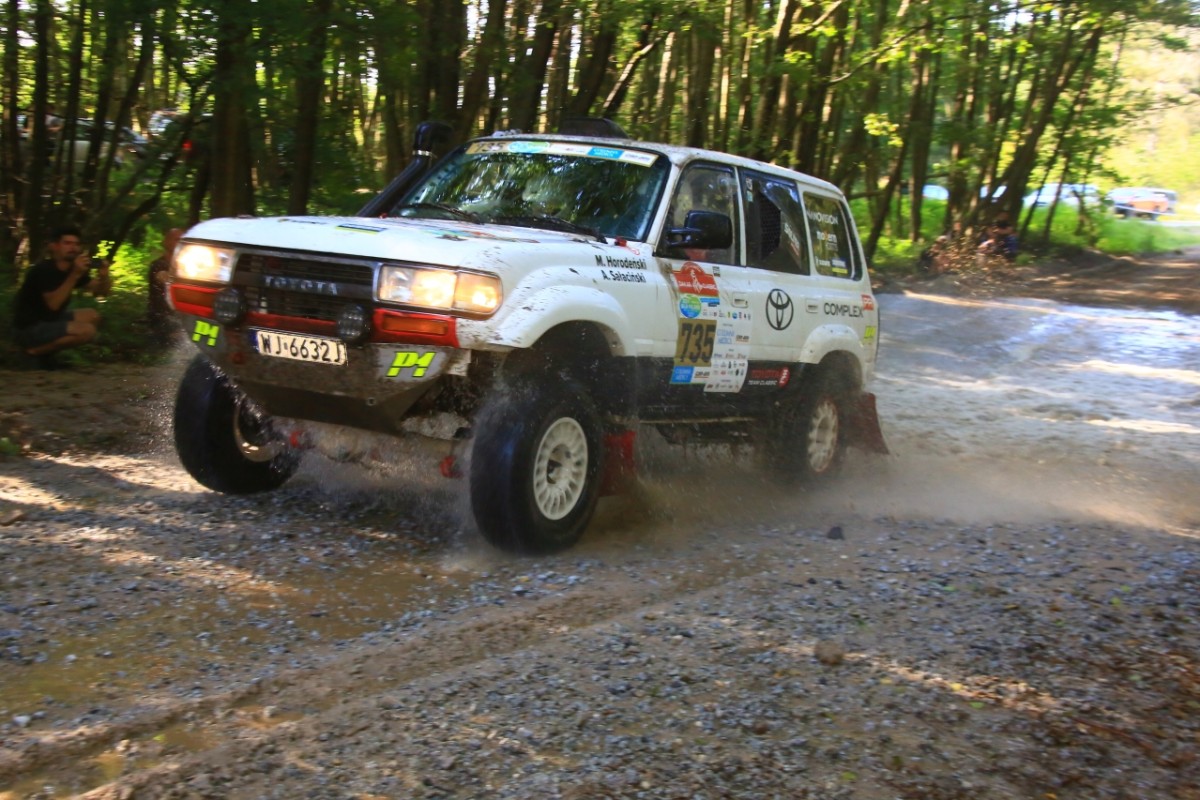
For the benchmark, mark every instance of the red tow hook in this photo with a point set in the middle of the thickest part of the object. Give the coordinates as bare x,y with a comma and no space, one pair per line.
449,467
297,439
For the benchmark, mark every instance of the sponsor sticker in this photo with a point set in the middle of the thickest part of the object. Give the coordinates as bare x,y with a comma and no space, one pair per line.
206,333
692,279
690,306
419,363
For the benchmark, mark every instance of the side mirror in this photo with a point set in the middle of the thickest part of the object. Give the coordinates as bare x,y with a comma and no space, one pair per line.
702,230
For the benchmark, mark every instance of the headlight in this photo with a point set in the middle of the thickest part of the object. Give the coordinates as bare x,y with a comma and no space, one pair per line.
440,289
199,262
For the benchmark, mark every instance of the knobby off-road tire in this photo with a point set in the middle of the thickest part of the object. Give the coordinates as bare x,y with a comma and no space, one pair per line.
223,441
806,441
535,466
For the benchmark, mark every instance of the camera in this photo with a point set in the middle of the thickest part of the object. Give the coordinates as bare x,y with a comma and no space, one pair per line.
96,264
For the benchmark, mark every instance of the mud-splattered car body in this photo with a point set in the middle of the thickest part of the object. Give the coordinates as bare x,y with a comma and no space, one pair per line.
550,292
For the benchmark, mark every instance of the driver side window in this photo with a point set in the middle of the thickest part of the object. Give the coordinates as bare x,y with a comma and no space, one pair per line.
706,187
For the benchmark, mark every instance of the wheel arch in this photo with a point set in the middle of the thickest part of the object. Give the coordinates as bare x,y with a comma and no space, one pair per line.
841,367
543,311
582,351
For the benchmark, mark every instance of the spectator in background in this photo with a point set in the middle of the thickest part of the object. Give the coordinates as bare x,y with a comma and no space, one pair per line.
1000,243
946,253
158,311
43,320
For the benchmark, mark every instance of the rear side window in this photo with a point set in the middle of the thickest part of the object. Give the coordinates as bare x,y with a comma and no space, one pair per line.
775,234
832,238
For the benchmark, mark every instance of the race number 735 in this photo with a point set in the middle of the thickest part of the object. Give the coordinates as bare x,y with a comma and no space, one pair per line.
694,345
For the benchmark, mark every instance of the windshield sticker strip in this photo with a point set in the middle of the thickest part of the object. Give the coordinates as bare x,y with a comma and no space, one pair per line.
566,149
349,226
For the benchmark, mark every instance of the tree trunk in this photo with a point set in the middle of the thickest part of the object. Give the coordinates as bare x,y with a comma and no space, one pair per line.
38,142
646,43
529,77
596,69
490,45
702,41
10,149
233,93
771,83
310,86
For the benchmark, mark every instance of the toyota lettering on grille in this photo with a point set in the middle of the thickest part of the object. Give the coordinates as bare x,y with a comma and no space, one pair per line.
299,285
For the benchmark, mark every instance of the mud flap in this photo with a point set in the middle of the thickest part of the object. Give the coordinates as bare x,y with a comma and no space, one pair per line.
862,429
619,471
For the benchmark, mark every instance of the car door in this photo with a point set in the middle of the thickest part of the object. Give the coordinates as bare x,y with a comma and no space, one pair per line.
709,294
779,273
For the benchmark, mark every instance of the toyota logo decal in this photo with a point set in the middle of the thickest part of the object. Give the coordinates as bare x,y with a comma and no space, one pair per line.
780,309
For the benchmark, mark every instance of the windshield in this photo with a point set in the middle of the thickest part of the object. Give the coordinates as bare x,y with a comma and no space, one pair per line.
567,186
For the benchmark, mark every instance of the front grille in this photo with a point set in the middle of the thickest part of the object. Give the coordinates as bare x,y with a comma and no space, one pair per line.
306,269
320,290
294,304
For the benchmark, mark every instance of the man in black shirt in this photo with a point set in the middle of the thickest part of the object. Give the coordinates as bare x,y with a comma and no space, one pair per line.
42,316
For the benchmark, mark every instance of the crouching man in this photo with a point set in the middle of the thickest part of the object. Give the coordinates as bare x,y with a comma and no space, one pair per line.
42,317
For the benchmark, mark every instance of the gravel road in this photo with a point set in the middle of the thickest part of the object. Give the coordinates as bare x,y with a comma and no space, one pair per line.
1005,607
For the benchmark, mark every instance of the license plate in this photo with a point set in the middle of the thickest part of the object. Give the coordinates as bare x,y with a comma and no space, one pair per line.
317,349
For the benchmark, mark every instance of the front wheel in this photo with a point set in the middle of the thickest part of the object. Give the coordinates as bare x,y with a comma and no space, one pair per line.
223,440
535,467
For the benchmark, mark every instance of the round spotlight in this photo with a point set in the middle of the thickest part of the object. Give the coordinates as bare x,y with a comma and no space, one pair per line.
353,324
229,306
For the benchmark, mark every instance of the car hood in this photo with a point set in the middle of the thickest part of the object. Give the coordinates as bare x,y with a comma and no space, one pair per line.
448,243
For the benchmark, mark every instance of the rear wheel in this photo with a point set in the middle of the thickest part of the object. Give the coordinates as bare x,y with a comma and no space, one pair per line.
223,440
535,467
806,440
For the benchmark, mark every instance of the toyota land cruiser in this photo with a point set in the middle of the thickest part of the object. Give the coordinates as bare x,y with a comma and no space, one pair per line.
552,293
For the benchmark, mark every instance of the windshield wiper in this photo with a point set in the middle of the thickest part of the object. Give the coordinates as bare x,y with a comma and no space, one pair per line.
454,211
551,223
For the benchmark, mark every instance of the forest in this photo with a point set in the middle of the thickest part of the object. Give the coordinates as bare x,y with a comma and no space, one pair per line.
133,115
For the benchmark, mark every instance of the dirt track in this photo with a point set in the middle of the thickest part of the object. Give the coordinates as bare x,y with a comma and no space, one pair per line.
915,630
1170,280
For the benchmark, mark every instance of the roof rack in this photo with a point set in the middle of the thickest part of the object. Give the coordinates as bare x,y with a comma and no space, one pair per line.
600,127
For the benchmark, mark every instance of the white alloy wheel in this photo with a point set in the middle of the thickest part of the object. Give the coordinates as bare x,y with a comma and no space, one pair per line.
823,436
560,468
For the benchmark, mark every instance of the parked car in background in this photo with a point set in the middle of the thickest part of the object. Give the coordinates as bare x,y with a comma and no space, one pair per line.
932,191
1068,194
1142,201
130,144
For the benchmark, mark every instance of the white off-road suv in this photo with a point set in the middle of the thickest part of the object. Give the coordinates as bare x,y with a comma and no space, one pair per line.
553,293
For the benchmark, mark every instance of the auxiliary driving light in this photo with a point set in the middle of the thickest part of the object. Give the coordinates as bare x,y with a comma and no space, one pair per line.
353,324
229,306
